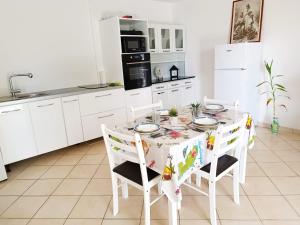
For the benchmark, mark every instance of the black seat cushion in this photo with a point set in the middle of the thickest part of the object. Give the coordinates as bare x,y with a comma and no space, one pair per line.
224,163
132,172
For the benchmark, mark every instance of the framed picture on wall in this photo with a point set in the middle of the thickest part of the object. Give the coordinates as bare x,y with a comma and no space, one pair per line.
246,21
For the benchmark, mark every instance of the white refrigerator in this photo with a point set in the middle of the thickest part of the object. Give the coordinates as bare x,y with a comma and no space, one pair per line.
238,69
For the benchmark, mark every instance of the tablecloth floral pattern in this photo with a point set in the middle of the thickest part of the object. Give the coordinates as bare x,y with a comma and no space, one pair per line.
179,151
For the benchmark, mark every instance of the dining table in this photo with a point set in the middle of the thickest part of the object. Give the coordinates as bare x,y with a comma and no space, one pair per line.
177,150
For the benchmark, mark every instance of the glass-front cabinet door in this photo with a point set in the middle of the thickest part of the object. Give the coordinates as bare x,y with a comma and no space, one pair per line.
165,37
152,39
179,39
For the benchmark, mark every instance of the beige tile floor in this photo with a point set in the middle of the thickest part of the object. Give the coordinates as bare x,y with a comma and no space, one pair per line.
72,187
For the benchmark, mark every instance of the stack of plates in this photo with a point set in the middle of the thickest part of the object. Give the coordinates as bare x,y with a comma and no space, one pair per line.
213,108
146,128
205,122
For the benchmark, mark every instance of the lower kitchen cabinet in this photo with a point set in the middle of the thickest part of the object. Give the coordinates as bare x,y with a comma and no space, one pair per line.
175,97
16,134
162,96
48,125
188,95
72,117
136,98
92,124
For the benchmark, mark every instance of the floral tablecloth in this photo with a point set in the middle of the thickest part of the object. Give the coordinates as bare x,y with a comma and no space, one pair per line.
179,150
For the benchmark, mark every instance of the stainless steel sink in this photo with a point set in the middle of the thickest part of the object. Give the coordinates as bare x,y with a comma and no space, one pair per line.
32,95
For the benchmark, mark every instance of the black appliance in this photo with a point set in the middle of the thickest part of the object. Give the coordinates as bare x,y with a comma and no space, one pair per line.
133,44
131,32
136,70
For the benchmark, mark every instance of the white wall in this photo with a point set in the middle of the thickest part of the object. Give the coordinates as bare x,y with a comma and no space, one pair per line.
57,40
144,9
52,39
208,23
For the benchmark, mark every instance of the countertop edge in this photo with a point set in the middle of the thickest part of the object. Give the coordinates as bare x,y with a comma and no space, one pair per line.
57,93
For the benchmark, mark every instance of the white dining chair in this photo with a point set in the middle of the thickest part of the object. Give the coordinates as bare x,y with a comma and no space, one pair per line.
227,138
132,170
143,110
231,105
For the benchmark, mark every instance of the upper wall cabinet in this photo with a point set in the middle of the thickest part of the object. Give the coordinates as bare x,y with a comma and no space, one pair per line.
166,38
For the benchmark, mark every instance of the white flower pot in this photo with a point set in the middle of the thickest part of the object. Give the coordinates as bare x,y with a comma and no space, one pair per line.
174,120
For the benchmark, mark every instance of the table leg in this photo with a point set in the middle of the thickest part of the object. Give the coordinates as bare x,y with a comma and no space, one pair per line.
172,212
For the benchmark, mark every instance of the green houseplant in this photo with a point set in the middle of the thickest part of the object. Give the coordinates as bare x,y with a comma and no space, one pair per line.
173,113
195,109
274,91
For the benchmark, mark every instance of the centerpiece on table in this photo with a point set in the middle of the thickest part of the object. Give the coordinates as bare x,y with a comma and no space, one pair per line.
274,91
196,109
173,113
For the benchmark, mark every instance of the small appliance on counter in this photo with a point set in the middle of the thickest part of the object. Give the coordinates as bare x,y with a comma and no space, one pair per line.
174,73
136,70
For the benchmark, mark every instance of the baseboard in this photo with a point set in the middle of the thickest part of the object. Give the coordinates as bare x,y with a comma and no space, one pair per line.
285,129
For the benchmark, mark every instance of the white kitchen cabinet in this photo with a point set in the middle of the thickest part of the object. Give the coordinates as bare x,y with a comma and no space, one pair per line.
3,175
92,123
153,38
72,119
16,134
96,102
136,98
166,38
48,125
162,96
188,95
178,36
175,97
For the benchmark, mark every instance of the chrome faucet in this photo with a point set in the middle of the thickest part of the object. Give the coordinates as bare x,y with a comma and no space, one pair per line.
11,87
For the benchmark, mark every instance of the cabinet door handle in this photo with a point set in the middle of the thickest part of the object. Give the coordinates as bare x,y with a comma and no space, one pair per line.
188,88
9,111
188,82
228,50
175,90
45,105
110,115
159,93
74,100
160,87
173,85
101,96
135,94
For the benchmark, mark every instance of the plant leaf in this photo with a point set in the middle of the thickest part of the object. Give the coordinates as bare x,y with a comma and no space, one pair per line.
265,92
285,96
281,89
269,100
283,106
280,86
262,83
278,76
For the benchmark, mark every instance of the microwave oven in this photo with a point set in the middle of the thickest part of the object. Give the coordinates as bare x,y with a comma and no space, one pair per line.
133,44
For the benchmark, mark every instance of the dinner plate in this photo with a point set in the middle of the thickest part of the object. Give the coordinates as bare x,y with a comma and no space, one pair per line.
205,121
214,107
147,127
163,112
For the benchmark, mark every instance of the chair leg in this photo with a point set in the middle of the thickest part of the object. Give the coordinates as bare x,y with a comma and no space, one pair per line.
159,188
115,195
198,180
236,184
212,203
243,164
147,206
124,190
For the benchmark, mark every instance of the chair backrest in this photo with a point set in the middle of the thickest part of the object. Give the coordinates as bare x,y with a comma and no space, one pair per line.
228,138
143,110
232,105
121,147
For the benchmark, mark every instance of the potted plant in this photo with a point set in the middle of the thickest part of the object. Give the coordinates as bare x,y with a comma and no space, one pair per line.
173,113
274,91
195,109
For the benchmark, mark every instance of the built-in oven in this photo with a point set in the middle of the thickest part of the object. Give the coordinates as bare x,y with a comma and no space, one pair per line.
136,70
133,44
